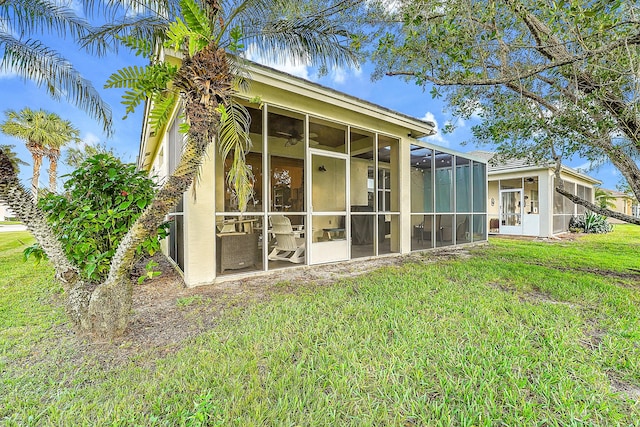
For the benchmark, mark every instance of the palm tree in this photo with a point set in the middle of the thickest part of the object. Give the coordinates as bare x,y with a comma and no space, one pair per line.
63,133
604,199
44,133
21,52
15,161
204,34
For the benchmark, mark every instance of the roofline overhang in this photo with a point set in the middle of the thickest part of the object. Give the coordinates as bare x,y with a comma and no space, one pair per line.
268,76
565,169
416,128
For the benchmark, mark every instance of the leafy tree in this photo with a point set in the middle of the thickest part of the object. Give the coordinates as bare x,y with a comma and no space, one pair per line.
75,156
549,79
22,52
44,134
204,33
604,198
102,199
15,161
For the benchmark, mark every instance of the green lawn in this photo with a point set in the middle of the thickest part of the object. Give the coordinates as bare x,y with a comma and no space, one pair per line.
521,333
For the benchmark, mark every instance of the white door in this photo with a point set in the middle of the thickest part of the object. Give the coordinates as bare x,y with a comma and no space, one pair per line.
330,230
511,211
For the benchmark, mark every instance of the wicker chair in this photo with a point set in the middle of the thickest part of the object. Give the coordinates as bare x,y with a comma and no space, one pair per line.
288,247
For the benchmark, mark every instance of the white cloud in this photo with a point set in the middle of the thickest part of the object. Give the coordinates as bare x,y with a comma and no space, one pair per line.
90,139
437,138
584,167
283,64
391,6
338,75
74,5
7,74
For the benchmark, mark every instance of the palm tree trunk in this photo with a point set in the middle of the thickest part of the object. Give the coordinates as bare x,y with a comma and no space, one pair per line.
205,80
53,155
37,164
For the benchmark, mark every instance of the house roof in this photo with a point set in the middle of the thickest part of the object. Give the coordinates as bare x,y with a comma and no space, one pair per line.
267,75
618,194
415,128
516,165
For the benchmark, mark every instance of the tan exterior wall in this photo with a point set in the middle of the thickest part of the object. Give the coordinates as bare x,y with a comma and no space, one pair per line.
623,205
545,194
200,213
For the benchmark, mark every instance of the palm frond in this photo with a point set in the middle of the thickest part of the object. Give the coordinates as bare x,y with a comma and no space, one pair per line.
179,33
196,18
239,68
132,98
163,105
142,82
314,40
114,9
128,77
234,130
45,67
139,46
151,29
42,16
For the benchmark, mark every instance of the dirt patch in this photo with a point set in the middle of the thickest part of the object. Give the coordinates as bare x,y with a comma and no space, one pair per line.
167,314
536,296
533,296
631,391
593,335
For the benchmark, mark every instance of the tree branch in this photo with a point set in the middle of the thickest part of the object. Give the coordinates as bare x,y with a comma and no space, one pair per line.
582,202
562,59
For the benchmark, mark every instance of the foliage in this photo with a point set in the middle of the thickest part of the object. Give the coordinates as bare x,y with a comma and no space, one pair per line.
204,81
591,222
22,53
13,157
75,156
102,199
268,25
549,80
604,198
44,133
527,332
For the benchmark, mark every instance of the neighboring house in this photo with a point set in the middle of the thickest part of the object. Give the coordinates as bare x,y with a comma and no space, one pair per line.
522,199
336,178
5,213
624,203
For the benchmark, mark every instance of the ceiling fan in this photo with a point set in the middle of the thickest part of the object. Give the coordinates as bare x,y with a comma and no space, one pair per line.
294,137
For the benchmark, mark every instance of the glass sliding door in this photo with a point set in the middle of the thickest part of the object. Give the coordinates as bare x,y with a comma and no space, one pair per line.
329,228
362,195
422,195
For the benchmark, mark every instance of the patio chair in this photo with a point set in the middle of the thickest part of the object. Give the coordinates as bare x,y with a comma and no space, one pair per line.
288,247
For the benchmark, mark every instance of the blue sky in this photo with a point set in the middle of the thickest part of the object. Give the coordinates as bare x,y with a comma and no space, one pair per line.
390,92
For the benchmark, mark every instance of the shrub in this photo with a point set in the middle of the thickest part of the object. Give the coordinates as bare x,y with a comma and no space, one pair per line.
590,222
102,200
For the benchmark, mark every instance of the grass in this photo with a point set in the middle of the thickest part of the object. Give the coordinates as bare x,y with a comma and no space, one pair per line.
520,333
10,223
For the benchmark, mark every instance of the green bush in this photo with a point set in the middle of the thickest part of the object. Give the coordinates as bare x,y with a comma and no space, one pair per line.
590,222
102,200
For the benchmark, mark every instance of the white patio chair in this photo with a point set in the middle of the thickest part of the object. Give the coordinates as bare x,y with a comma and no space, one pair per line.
288,247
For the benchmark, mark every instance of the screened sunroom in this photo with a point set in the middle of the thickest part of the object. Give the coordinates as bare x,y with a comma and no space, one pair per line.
335,179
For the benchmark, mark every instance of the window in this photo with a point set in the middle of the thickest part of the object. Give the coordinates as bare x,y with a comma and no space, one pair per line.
175,144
